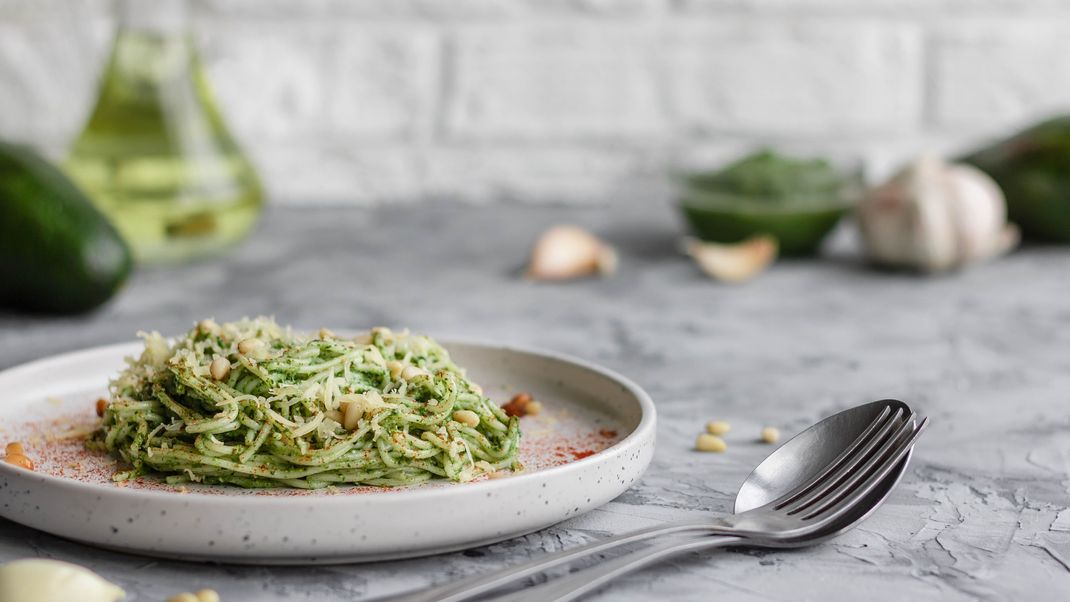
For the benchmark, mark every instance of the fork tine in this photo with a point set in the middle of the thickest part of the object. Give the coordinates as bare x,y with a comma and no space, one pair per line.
847,467
844,456
877,468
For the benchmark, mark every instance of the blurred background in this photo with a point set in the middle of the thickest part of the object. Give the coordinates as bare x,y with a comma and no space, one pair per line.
561,101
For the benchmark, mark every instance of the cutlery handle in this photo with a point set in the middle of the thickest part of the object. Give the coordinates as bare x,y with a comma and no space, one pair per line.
470,587
575,585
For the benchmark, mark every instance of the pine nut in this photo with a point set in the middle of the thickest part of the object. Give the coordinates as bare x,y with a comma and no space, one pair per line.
718,427
411,372
335,415
770,434
710,443
395,367
220,368
19,460
517,405
467,417
533,408
325,333
183,597
207,595
15,449
207,326
354,412
249,345
102,404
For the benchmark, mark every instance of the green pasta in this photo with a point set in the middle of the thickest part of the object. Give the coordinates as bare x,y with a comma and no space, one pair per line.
252,404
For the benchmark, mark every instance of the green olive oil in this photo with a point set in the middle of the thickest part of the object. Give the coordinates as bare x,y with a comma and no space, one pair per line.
156,156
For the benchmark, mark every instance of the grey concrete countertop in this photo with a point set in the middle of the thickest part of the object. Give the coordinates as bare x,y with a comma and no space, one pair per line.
982,515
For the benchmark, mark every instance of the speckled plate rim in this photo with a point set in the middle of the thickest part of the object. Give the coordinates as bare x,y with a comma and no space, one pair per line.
644,429
637,444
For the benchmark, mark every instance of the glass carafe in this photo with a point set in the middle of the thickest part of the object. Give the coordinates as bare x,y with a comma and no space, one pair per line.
156,155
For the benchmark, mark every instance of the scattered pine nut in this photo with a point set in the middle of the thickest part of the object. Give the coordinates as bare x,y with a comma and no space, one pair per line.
183,597
325,333
335,415
718,427
19,460
207,595
395,367
248,346
533,408
207,326
517,405
354,412
102,404
219,368
770,434
466,417
710,443
411,372
15,449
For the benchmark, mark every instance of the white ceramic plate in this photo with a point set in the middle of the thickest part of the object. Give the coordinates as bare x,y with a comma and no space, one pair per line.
594,438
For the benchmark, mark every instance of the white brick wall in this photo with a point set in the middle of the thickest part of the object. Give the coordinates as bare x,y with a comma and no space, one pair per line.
794,79
364,101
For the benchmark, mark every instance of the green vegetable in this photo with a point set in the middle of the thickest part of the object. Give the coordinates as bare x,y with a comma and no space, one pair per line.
769,177
1033,169
797,201
251,404
58,253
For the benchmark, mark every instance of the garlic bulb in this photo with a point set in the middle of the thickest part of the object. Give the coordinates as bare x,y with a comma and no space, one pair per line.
933,216
566,252
734,262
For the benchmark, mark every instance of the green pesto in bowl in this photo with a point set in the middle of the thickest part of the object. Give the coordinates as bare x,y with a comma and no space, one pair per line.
797,201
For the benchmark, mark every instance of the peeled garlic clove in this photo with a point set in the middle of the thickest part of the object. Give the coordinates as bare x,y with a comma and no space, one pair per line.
41,580
734,262
565,252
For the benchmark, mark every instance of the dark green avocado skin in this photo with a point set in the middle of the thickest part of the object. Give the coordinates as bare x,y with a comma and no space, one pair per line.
1033,169
58,253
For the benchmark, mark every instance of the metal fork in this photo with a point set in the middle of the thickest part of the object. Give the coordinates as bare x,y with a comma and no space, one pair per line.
800,518
812,505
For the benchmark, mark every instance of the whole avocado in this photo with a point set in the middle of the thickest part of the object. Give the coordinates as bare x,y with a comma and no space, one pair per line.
58,253
1033,169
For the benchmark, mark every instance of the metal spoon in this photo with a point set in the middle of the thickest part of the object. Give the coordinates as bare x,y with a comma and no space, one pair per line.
820,460
770,486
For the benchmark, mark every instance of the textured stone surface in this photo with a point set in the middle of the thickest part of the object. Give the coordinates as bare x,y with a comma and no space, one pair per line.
982,514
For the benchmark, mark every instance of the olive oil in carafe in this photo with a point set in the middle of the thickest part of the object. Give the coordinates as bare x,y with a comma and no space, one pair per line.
156,156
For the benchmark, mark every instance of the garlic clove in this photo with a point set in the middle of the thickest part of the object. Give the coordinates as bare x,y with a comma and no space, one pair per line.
734,262
1004,243
44,580
566,252
606,263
